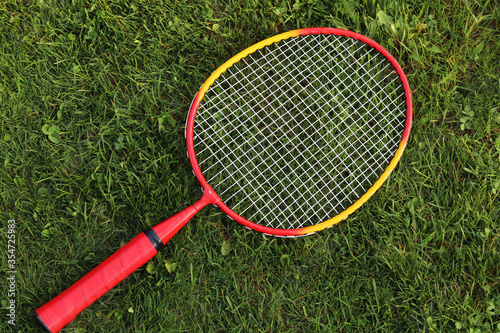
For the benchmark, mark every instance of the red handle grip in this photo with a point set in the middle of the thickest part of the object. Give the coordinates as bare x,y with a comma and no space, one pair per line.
62,309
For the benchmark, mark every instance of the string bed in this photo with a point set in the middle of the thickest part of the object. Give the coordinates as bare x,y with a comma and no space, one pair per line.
296,132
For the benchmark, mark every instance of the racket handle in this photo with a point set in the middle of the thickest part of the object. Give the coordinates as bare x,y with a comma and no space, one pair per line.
62,309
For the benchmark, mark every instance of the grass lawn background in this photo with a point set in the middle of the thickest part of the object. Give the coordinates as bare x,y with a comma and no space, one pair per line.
93,97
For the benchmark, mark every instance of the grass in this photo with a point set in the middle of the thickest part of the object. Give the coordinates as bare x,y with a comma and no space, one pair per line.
93,97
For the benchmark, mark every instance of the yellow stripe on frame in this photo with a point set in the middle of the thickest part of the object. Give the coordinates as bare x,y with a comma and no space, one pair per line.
242,54
363,199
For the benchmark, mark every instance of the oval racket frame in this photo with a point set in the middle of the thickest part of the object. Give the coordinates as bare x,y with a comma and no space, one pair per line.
190,122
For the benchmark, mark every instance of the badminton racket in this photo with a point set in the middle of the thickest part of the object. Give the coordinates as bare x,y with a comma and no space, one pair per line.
288,137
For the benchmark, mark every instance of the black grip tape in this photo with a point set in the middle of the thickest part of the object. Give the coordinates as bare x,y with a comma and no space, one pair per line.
155,240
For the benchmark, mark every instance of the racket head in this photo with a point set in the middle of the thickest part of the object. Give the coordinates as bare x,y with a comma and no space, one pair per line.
348,207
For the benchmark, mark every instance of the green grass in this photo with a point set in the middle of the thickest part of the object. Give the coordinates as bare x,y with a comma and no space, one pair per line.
93,97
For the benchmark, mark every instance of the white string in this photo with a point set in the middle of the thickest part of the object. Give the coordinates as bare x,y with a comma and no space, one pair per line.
267,144
325,101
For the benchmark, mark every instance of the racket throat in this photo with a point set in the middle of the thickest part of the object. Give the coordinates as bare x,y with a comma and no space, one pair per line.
164,231
209,197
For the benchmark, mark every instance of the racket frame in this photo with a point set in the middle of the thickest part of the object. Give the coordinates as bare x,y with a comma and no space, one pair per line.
191,118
